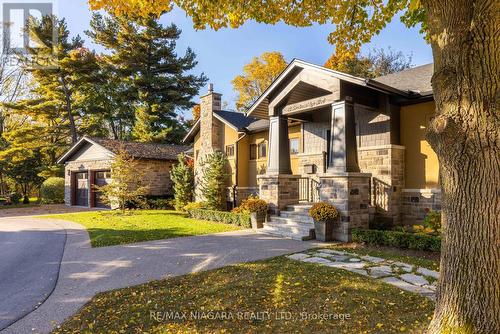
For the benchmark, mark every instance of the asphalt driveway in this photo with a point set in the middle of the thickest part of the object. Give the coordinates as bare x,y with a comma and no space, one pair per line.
85,271
30,255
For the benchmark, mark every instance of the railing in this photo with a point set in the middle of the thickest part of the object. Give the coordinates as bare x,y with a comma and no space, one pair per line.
308,190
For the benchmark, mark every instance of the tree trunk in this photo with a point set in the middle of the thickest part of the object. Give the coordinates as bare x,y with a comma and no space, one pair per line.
69,109
465,134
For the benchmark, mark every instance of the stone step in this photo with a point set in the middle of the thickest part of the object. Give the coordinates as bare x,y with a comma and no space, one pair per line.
302,216
293,218
286,231
299,207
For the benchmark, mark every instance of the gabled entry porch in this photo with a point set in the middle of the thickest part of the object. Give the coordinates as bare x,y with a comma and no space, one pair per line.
321,102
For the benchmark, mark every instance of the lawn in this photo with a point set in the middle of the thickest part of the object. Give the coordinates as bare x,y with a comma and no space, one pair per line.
108,228
272,296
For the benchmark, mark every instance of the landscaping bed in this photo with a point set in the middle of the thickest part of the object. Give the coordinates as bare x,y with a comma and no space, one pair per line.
297,297
107,228
416,241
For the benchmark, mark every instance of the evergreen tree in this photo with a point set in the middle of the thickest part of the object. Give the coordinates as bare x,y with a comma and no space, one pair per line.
182,175
214,179
155,82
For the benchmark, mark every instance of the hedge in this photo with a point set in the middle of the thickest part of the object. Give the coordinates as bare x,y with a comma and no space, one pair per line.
239,219
52,190
398,239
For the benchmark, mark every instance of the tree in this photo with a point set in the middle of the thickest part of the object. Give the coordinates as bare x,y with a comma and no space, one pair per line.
125,186
214,179
257,76
375,64
182,175
464,132
196,111
153,79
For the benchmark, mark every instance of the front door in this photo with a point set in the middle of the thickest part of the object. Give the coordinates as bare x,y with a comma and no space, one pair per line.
82,189
101,179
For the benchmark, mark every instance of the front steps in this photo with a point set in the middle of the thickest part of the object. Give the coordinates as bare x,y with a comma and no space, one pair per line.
293,223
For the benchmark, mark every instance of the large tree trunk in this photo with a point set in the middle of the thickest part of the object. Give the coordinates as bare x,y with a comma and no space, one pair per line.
465,39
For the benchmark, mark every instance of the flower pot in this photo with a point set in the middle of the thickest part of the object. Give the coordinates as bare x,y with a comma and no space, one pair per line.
324,230
257,219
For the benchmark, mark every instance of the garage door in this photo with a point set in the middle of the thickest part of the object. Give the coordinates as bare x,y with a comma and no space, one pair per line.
82,189
101,179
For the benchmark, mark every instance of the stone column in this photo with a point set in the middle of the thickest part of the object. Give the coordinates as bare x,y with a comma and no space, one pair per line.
343,155
278,161
350,194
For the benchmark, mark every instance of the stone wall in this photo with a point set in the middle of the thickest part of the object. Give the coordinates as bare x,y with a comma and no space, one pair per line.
279,191
81,166
386,164
156,174
350,193
211,132
318,160
415,202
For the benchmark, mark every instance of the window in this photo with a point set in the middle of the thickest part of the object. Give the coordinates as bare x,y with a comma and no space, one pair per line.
262,150
253,151
294,146
230,150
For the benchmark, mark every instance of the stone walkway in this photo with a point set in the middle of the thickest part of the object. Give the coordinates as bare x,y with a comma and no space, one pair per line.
402,275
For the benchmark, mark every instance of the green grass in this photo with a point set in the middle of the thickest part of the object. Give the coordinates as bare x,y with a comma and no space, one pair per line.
17,206
108,228
351,303
389,254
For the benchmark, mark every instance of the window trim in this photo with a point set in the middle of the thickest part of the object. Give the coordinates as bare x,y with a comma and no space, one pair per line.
229,147
290,145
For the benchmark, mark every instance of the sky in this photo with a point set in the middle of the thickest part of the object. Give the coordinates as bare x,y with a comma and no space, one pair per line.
222,54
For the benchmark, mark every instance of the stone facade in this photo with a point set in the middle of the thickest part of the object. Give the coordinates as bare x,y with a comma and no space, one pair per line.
350,193
279,191
386,164
210,135
81,166
415,202
156,174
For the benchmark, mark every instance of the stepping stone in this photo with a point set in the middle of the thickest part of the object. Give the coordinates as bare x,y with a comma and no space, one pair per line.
430,287
380,271
405,266
414,279
354,259
298,256
335,257
427,272
372,258
352,265
359,271
408,287
316,259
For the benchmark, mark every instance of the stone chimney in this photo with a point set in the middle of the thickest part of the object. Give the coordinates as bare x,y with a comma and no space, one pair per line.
210,131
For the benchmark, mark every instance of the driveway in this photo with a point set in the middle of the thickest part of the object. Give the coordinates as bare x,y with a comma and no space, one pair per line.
29,265
85,271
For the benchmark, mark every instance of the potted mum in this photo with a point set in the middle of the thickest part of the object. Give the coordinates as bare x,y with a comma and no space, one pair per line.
325,215
256,208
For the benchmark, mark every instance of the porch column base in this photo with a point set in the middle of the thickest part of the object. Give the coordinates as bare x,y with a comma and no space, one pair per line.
350,193
279,190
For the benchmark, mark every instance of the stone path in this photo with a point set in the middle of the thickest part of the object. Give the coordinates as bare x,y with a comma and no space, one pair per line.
405,276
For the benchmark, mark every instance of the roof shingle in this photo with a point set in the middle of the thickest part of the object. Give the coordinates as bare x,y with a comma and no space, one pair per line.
416,79
142,150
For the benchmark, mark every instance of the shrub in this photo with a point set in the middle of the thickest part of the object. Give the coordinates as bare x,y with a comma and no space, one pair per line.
252,204
15,198
52,190
214,180
432,221
398,239
239,219
182,176
323,211
195,205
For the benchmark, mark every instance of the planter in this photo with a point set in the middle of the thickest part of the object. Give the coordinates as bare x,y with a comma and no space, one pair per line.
324,230
257,219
